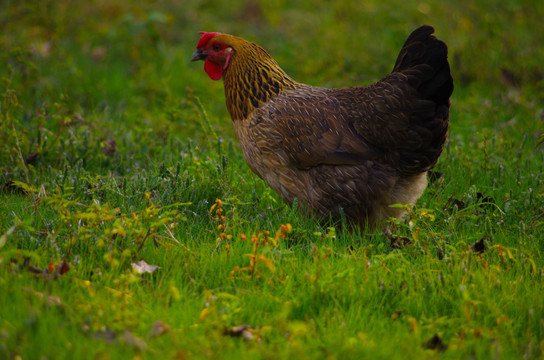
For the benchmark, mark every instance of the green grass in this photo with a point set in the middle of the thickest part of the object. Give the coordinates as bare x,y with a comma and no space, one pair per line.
114,148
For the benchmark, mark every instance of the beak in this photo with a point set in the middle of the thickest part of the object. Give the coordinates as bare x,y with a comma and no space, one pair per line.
199,55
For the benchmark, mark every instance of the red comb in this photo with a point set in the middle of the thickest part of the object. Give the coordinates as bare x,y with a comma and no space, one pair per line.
206,36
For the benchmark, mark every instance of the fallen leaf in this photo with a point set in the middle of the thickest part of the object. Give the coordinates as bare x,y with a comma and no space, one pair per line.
440,254
133,340
109,147
31,159
51,272
98,53
351,249
157,329
13,187
435,176
451,203
397,242
435,343
508,77
479,246
485,201
141,267
59,269
107,334
243,331
396,314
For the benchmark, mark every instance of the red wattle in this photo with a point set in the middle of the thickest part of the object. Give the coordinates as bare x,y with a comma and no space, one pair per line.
213,70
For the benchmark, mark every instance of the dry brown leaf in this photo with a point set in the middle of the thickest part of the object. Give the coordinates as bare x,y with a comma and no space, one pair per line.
141,267
435,343
479,246
107,334
397,242
157,329
243,331
133,340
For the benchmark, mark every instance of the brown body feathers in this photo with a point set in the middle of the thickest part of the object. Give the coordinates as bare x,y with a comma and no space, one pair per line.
354,150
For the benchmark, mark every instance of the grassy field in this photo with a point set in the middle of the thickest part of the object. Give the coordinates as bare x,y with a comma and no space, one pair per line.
115,149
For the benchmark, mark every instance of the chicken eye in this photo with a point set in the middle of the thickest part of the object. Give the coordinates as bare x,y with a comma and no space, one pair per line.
216,47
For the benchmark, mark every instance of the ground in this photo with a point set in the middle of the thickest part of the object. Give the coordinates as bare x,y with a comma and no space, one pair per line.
131,227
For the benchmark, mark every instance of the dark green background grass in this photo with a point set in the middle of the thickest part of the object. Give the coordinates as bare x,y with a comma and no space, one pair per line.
114,147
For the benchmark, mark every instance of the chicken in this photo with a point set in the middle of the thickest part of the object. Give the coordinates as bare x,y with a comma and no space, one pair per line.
349,152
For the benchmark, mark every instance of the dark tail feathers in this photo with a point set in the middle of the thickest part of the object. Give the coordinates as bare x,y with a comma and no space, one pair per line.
424,60
426,57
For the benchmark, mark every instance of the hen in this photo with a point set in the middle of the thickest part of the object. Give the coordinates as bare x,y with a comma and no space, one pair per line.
354,150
